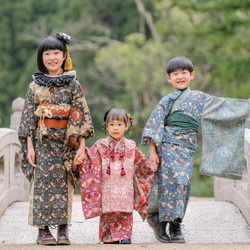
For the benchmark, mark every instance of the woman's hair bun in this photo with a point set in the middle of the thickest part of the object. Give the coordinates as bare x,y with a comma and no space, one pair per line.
64,37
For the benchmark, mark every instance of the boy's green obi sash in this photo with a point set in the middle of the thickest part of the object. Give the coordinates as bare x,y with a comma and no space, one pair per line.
179,119
182,120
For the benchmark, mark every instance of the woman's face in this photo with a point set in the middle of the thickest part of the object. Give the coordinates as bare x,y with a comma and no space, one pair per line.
53,60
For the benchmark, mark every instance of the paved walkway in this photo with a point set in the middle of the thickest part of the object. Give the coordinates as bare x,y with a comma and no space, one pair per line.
207,225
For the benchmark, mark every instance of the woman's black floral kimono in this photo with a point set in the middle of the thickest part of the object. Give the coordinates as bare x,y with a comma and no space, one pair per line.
53,181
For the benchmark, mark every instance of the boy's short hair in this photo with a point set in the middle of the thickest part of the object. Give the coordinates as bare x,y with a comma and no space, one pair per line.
179,62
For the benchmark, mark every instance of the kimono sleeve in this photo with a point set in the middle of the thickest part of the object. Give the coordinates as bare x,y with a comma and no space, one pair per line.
80,121
223,127
144,177
90,183
79,125
26,129
154,127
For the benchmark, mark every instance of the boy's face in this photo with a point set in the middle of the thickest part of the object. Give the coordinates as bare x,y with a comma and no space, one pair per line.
181,78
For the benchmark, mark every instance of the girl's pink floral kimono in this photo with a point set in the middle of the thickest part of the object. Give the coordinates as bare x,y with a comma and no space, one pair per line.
115,178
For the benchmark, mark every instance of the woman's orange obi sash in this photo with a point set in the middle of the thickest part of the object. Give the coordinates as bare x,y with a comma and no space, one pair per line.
46,112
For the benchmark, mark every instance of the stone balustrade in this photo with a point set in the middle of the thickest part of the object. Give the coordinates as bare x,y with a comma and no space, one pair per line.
13,184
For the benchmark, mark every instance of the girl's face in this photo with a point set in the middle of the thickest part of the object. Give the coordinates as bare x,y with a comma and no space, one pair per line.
180,78
116,129
53,60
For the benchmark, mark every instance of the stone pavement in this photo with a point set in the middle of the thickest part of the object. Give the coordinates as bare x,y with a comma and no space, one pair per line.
207,225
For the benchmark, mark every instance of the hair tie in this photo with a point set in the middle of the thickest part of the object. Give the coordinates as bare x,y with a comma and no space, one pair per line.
64,38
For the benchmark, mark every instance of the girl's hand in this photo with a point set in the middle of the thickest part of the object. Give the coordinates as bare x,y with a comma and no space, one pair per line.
31,153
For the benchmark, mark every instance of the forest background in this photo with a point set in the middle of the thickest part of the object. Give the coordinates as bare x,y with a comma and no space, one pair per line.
121,49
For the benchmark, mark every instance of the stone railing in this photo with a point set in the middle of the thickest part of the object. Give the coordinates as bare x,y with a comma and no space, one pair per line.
13,184
237,191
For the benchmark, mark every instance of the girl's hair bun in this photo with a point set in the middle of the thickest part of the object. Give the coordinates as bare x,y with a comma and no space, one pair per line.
105,115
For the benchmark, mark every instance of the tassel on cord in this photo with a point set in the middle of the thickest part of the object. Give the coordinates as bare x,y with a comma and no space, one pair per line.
112,156
108,170
123,171
68,61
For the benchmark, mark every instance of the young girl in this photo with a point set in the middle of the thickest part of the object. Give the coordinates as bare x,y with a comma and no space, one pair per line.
171,132
115,179
55,123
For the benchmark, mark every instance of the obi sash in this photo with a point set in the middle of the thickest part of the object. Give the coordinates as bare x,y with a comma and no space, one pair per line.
181,120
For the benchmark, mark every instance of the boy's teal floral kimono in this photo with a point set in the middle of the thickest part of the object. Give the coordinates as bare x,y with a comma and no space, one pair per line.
173,126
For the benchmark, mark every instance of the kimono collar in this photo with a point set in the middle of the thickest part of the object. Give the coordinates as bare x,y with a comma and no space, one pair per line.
121,151
113,142
46,80
178,91
186,91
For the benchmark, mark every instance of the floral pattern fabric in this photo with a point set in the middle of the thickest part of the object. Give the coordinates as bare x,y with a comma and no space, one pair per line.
115,178
176,146
223,143
53,179
115,226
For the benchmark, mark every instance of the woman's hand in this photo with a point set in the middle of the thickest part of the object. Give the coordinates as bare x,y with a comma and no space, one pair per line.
31,153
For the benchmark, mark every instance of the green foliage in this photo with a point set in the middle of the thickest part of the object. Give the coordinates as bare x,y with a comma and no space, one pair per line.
201,185
121,17
142,81
118,59
14,18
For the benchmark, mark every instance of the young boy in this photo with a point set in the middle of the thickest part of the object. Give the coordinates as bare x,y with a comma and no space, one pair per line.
171,132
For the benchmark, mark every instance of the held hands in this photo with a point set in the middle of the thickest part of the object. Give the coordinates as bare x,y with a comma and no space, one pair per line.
153,156
154,159
79,157
80,153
